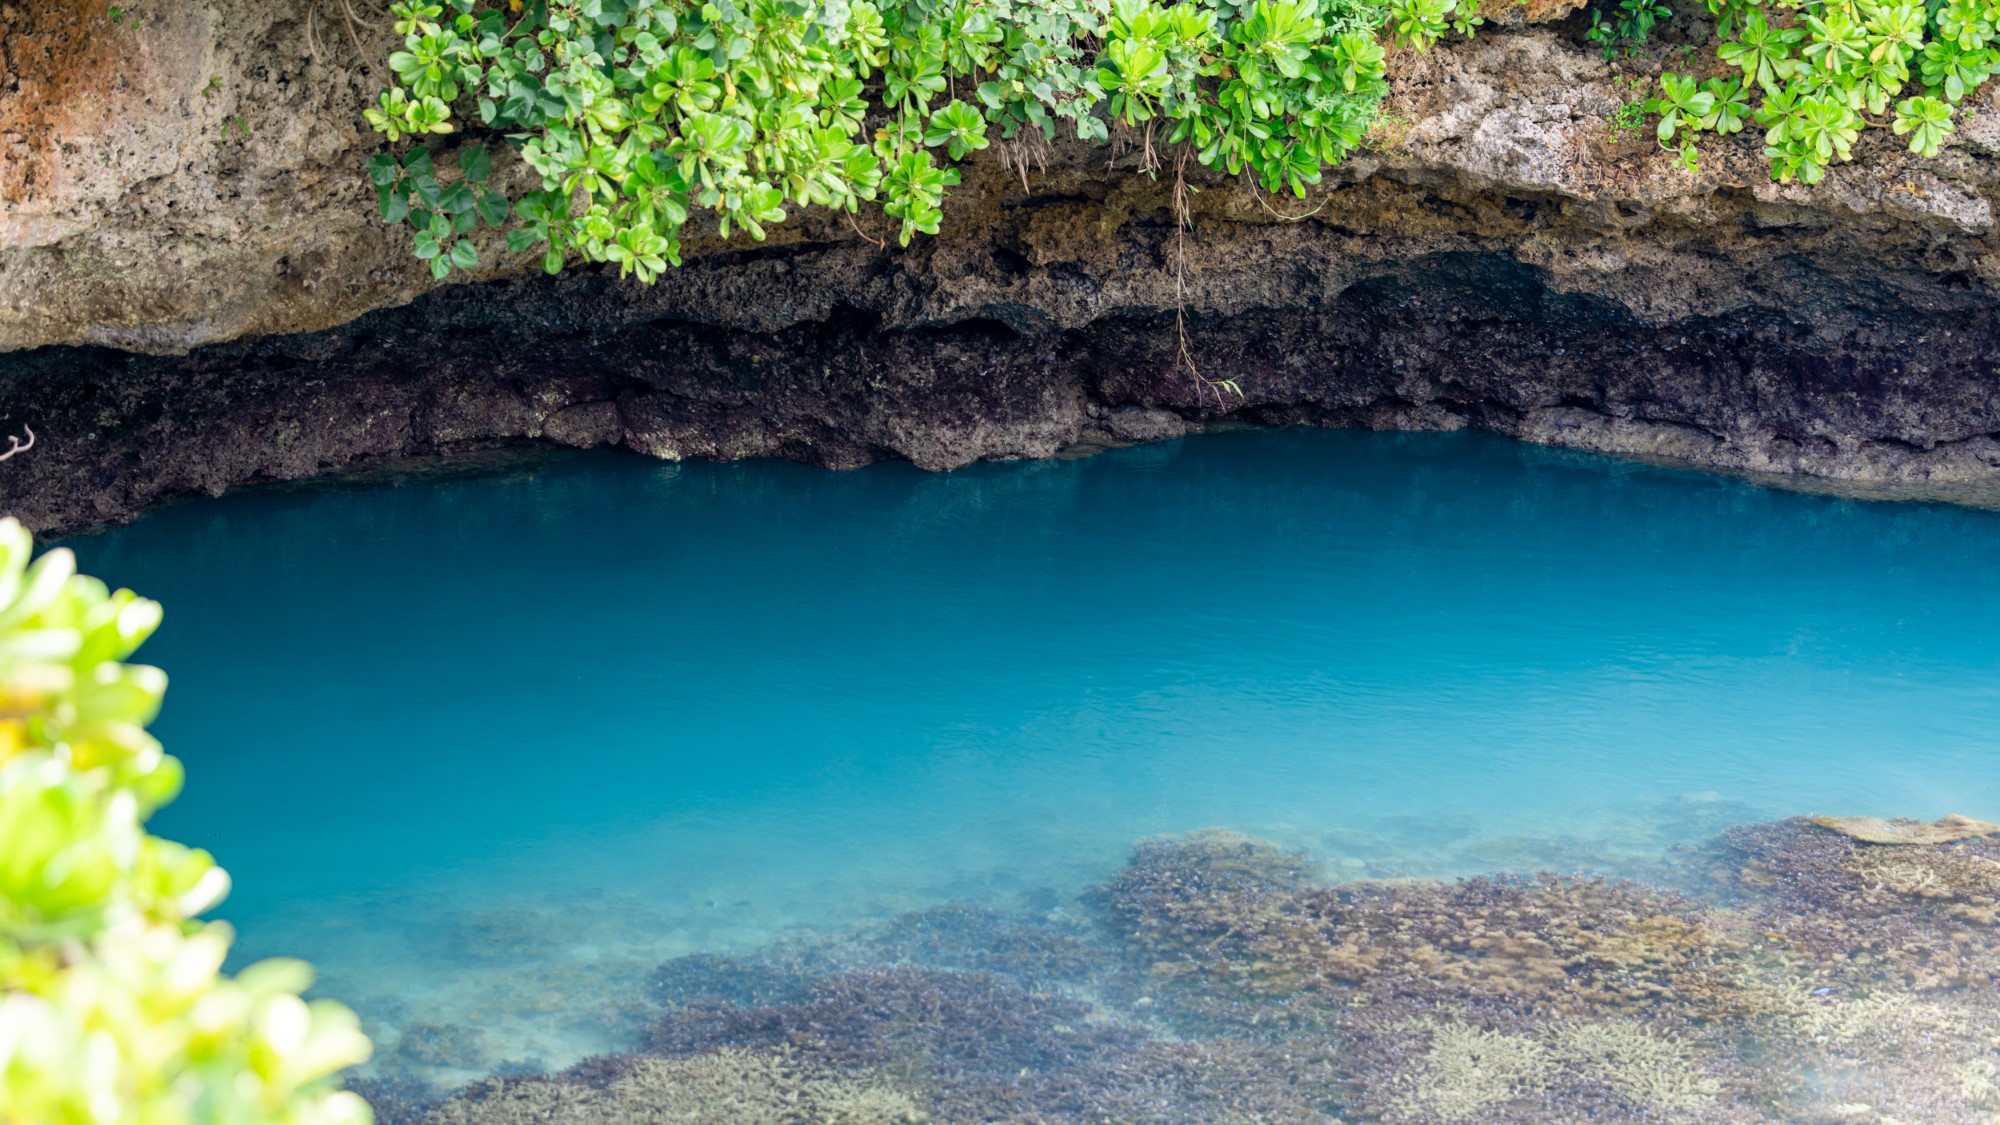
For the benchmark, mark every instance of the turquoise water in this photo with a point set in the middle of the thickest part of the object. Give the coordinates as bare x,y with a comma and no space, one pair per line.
487,749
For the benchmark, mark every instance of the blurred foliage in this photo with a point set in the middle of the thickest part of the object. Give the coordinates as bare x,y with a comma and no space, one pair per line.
634,114
113,1006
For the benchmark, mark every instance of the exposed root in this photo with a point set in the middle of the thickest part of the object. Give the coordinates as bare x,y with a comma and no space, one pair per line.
349,21
1183,219
16,445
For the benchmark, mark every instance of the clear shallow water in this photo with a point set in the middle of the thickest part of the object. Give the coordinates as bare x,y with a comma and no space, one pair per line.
488,749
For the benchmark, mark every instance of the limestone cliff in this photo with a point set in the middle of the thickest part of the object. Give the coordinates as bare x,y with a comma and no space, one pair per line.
194,292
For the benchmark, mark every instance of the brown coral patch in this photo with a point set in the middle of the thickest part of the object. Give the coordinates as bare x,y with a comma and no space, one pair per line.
1914,917
1199,897
1235,913
1563,944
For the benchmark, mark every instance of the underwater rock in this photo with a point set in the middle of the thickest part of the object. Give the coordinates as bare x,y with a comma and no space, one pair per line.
1040,950
504,934
442,1045
1874,830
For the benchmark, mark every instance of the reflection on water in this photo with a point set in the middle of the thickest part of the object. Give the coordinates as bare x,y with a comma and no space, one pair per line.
820,784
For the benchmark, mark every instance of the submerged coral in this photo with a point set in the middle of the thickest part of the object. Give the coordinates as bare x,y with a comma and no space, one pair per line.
946,1025
976,1046
1565,945
1448,1070
1801,975
397,1098
1916,916
1197,899
1044,948
707,980
1468,1072
1238,913
724,1087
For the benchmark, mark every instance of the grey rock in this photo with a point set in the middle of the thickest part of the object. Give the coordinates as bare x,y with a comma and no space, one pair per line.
1140,423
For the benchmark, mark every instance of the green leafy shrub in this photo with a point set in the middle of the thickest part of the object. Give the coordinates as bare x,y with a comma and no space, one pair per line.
1827,69
635,114
1628,27
113,1007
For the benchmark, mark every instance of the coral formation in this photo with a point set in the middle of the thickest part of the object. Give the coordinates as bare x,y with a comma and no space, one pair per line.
1188,900
709,980
1238,912
1469,1072
945,1024
1649,1067
1042,949
1480,1064
397,1099
1916,916
1800,975
1565,944
982,1047
725,1087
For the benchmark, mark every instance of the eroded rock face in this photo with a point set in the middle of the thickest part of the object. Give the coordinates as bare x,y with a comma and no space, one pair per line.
196,312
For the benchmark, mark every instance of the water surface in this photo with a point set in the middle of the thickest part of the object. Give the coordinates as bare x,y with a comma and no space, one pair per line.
487,749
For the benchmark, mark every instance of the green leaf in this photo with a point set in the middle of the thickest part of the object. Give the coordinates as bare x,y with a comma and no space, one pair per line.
475,163
493,208
395,205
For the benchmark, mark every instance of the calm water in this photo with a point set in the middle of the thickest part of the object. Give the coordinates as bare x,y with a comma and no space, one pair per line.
487,749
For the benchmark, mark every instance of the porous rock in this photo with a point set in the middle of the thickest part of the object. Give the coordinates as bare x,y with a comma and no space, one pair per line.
194,292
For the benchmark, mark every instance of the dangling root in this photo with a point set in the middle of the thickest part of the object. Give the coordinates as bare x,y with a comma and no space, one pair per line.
1182,221
877,243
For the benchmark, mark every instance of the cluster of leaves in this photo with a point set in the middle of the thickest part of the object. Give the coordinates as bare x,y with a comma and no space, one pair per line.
113,1007
1823,70
634,114
1627,28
